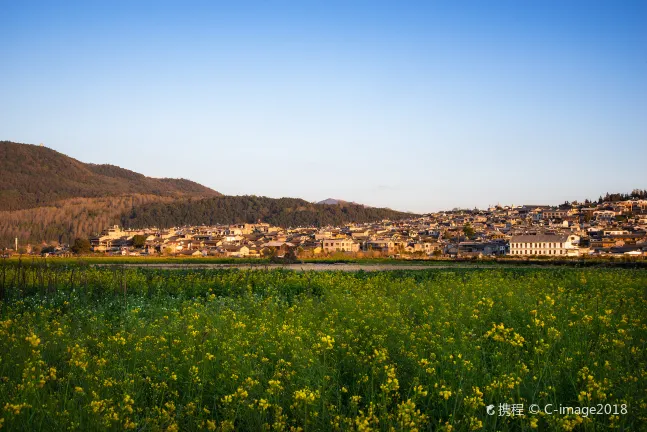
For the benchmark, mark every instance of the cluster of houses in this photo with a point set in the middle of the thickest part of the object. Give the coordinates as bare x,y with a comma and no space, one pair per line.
617,229
570,230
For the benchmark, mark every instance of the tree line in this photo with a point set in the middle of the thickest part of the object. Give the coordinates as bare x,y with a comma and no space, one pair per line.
283,212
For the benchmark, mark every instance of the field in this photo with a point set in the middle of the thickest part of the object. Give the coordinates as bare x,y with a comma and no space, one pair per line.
85,348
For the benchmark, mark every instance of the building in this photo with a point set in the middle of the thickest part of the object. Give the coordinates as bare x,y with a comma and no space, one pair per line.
545,245
381,245
104,241
235,250
471,248
554,214
340,245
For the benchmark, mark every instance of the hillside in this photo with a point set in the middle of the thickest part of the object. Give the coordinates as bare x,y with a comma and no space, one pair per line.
35,176
46,196
285,212
65,220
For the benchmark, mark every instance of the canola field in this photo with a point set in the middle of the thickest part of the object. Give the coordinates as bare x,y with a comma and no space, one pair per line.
222,350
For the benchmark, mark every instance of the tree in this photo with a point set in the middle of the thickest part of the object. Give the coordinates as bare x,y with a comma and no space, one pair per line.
81,246
291,256
48,250
139,241
269,252
468,230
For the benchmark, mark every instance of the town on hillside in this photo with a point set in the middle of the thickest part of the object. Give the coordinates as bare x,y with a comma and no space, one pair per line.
605,228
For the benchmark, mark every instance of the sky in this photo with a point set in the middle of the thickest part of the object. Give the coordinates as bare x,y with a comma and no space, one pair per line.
416,106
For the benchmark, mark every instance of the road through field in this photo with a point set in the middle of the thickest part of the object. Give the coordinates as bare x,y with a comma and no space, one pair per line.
345,267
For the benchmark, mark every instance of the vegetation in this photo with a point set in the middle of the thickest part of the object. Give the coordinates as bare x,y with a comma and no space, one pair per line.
110,349
46,196
139,241
284,212
337,258
81,246
635,194
66,220
34,176
469,231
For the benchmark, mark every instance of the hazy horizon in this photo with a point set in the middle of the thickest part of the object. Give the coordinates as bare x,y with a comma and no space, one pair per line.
417,107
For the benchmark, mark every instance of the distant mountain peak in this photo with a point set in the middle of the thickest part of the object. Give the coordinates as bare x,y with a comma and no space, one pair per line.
335,201
332,201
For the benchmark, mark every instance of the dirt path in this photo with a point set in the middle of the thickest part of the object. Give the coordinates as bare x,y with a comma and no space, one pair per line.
345,267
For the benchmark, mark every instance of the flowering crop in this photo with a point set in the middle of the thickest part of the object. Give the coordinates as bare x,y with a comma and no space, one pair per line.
106,349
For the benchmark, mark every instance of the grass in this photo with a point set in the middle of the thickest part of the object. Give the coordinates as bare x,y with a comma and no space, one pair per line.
111,349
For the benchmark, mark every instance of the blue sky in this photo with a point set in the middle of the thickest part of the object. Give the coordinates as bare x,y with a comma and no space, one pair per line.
416,106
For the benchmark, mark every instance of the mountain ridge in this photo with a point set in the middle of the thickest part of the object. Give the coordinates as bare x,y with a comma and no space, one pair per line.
47,196
34,176
283,212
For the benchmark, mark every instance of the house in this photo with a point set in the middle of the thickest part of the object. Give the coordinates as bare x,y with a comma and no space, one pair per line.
383,245
280,248
614,232
235,250
471,248
193,253
340,245
544,245
104,241
554,214
360,235
601,243
323,235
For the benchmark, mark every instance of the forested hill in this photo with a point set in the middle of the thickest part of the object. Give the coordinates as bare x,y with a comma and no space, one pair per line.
35,176
46,196
284,212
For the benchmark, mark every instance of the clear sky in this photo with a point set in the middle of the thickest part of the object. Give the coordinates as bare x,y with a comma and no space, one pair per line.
416,106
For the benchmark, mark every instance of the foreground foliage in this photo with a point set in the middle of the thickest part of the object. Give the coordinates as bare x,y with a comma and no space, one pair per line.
97,349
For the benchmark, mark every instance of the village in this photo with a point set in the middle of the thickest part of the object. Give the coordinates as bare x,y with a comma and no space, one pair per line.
570,230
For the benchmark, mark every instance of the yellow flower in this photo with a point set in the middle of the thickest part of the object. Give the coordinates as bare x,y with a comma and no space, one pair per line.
328,342
263,404
445,394
33,340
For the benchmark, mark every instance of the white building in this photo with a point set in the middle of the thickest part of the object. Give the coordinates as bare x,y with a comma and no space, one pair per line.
545,245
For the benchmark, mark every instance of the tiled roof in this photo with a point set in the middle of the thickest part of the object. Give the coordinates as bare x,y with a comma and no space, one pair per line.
538,238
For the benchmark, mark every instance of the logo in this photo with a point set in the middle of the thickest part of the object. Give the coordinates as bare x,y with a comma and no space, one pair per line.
490,409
